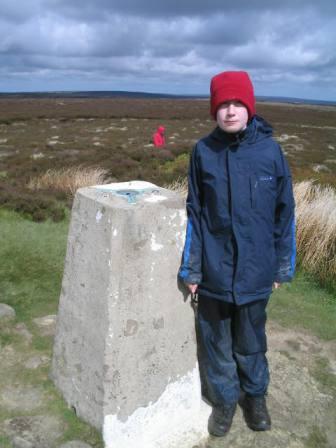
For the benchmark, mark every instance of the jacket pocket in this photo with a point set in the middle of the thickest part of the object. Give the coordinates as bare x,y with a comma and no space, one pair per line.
253,190
262,191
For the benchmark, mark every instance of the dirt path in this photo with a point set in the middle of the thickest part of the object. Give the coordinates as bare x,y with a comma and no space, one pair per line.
302,394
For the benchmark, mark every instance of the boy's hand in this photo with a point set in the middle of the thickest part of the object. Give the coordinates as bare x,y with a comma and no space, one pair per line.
192,288
276,285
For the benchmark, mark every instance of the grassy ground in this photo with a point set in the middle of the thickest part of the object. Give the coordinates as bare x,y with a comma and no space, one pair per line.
303,304
31,267
31,264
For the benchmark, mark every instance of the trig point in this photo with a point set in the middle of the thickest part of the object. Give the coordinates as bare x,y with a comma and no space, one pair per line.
125,346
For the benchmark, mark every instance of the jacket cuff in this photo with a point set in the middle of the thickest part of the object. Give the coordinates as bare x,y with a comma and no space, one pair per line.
283,278
192,279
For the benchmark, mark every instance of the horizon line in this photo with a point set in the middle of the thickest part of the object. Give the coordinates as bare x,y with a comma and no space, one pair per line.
156,94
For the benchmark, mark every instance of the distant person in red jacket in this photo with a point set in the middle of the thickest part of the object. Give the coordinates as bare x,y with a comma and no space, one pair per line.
158,137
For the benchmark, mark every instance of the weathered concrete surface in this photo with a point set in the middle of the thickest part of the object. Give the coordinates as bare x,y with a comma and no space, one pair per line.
125,348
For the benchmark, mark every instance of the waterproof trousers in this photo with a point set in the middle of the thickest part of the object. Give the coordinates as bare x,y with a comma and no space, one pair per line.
232,347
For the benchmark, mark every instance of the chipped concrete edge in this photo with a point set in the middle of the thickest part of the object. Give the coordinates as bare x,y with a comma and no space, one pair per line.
177,418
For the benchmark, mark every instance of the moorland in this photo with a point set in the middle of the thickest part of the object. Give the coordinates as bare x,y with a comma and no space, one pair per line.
114,134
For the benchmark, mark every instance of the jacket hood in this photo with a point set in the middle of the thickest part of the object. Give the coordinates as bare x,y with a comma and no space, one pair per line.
257,129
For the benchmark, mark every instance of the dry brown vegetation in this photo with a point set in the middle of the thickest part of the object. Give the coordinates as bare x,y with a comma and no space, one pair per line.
179,185
316,229
68,180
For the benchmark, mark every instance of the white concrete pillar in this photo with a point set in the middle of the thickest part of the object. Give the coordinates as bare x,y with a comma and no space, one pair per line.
125,346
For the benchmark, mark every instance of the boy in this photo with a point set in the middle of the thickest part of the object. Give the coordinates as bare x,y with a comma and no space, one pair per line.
240,244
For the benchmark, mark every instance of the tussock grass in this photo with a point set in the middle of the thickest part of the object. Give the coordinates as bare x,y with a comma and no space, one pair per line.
68,180
180,185
316,230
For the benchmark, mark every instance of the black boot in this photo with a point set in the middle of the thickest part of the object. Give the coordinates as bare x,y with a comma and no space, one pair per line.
220,419
256,413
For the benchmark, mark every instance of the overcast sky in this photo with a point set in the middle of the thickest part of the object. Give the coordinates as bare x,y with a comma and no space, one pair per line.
176,46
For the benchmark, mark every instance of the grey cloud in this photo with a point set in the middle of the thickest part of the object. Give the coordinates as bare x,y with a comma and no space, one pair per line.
168,45
17,11
186,8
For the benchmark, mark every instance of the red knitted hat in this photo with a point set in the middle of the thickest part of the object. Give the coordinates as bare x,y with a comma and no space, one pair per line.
227,86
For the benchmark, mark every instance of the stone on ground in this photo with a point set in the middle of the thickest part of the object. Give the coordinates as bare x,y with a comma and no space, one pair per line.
36,361
19,442
46,324
21,398
75,444
6,312
22,330
40,430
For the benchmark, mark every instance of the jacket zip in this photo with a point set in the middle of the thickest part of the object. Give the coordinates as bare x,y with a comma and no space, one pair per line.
232,218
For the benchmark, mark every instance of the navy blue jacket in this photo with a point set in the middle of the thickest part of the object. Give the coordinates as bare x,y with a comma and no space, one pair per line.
240,234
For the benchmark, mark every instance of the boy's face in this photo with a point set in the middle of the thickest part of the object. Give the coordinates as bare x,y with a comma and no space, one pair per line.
232,116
